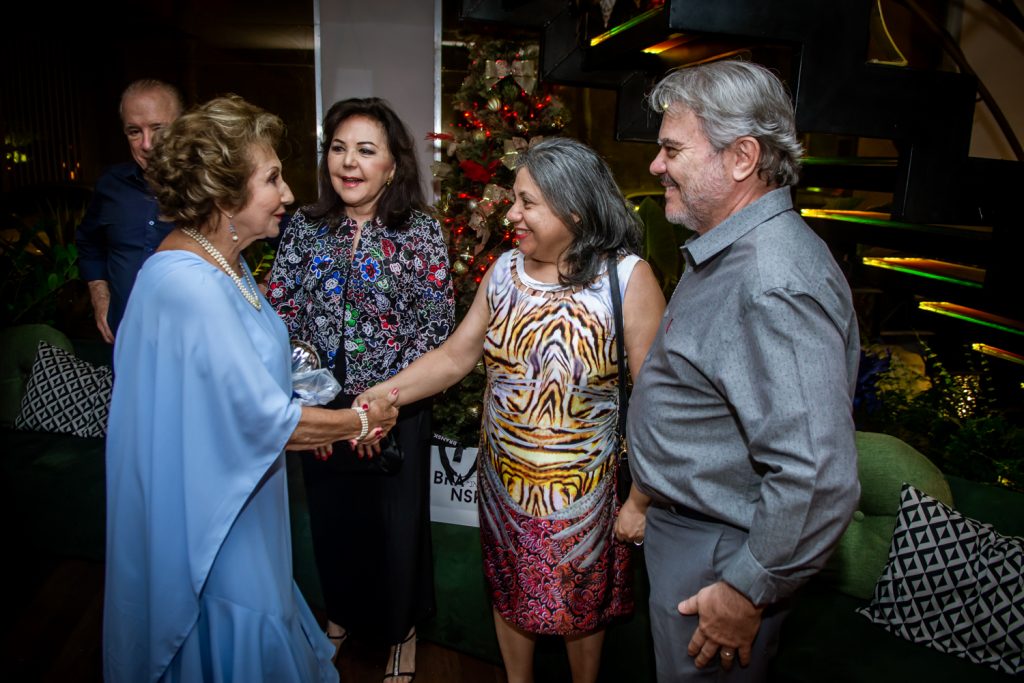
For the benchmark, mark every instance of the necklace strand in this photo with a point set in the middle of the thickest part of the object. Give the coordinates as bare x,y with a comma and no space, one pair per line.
247,287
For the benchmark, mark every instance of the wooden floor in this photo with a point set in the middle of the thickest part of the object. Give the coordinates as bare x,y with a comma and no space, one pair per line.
53,622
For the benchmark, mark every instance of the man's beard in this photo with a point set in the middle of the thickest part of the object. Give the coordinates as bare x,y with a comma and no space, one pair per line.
700,197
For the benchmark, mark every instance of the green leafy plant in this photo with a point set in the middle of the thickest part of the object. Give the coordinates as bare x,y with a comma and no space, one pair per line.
38,261
953,418
260,257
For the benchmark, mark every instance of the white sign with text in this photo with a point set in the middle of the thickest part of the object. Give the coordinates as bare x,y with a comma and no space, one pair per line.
453,483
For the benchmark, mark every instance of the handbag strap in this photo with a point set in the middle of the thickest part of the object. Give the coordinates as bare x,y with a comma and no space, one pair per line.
613,277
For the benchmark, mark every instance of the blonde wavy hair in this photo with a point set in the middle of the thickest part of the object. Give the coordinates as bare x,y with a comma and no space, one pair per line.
202,161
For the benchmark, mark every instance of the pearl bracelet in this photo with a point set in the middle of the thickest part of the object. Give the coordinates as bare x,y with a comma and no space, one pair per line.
364,423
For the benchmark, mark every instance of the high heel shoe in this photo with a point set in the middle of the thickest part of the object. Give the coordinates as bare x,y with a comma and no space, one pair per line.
337,642
396,660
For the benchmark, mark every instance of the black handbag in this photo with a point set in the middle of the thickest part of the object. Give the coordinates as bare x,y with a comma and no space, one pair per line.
623,477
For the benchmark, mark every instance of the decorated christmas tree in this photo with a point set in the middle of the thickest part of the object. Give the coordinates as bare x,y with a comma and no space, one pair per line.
500,110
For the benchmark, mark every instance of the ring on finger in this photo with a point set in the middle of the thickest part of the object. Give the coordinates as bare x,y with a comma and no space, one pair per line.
728,654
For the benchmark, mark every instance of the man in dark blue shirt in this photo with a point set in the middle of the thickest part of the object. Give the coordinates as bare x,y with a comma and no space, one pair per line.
121,226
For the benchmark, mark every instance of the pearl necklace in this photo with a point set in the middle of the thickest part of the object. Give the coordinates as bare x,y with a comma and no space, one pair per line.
247,287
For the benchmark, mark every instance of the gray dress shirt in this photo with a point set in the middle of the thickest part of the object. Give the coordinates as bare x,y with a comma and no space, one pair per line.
743,408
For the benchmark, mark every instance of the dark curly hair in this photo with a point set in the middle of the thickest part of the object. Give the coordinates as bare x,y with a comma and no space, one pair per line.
398,199
204,159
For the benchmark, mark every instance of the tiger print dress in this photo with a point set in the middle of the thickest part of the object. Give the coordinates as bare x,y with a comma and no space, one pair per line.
547,467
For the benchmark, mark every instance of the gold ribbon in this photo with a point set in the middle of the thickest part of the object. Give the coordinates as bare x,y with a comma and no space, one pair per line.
492,197
514,146
523,71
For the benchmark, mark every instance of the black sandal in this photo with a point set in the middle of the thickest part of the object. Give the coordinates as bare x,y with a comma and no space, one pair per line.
396,661
337,642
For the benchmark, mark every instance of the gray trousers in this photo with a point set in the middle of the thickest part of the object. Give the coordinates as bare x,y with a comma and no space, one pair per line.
684,555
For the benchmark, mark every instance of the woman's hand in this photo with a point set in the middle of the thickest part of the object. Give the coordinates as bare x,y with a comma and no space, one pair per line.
381,414
319,428
631,523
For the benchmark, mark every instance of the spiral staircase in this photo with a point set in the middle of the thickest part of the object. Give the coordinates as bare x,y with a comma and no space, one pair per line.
938,258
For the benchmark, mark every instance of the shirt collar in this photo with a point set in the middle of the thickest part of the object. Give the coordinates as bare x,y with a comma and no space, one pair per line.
701,248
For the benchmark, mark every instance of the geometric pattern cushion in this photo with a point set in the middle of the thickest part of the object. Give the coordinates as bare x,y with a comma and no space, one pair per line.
954,584
65,394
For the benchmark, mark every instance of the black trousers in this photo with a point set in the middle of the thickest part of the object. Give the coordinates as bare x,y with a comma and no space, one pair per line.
371,536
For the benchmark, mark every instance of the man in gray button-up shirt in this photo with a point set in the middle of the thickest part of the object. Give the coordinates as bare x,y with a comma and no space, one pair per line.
740,424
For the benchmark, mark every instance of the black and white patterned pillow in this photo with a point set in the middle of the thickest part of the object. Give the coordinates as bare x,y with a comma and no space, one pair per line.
65,394
953,584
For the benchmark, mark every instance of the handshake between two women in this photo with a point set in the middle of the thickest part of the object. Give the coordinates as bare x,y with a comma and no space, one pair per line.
363,426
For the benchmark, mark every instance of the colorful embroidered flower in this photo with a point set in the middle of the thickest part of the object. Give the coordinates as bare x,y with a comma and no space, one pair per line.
356,345
287,309
320,265
369,269
407,253
275,290
351,315
438,274
387,247
419,264
334,283
389,321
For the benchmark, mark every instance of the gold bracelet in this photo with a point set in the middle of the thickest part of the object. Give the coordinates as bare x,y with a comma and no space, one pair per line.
364,423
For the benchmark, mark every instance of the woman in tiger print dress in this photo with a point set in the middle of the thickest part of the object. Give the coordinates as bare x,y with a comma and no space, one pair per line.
542,320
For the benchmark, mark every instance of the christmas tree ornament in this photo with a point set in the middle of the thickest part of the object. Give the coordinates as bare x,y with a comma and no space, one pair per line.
498,112
606,10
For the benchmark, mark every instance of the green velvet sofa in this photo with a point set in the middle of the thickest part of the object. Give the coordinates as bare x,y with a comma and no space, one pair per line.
823,639
53,506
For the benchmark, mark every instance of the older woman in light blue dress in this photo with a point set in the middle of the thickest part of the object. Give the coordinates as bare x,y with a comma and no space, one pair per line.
199,580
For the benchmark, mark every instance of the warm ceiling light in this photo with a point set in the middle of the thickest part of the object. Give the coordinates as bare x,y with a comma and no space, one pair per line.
968,276
973,315
674,40
998,353
625,26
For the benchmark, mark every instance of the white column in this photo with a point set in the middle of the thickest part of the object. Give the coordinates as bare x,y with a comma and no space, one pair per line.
386,49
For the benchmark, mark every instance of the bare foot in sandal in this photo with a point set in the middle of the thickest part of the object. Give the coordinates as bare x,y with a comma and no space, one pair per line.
337,635
401,666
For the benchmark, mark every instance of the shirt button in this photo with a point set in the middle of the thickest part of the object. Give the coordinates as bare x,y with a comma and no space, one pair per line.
151,222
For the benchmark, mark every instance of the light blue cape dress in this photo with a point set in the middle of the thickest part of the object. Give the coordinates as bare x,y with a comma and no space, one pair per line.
199,580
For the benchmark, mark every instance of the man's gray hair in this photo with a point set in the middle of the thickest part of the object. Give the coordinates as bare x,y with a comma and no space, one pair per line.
733,99
143,85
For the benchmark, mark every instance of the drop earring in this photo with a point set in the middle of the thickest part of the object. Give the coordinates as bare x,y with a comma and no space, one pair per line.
231,228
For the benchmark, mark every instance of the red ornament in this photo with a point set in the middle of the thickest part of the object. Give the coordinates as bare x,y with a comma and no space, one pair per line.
477,172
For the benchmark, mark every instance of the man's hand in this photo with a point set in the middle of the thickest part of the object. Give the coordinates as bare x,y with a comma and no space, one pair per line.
728,625
99,294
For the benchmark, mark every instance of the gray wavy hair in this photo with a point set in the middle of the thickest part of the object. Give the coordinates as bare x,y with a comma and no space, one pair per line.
579,188
733,99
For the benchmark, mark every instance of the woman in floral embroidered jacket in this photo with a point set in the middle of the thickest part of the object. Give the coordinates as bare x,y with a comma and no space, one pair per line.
362,275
